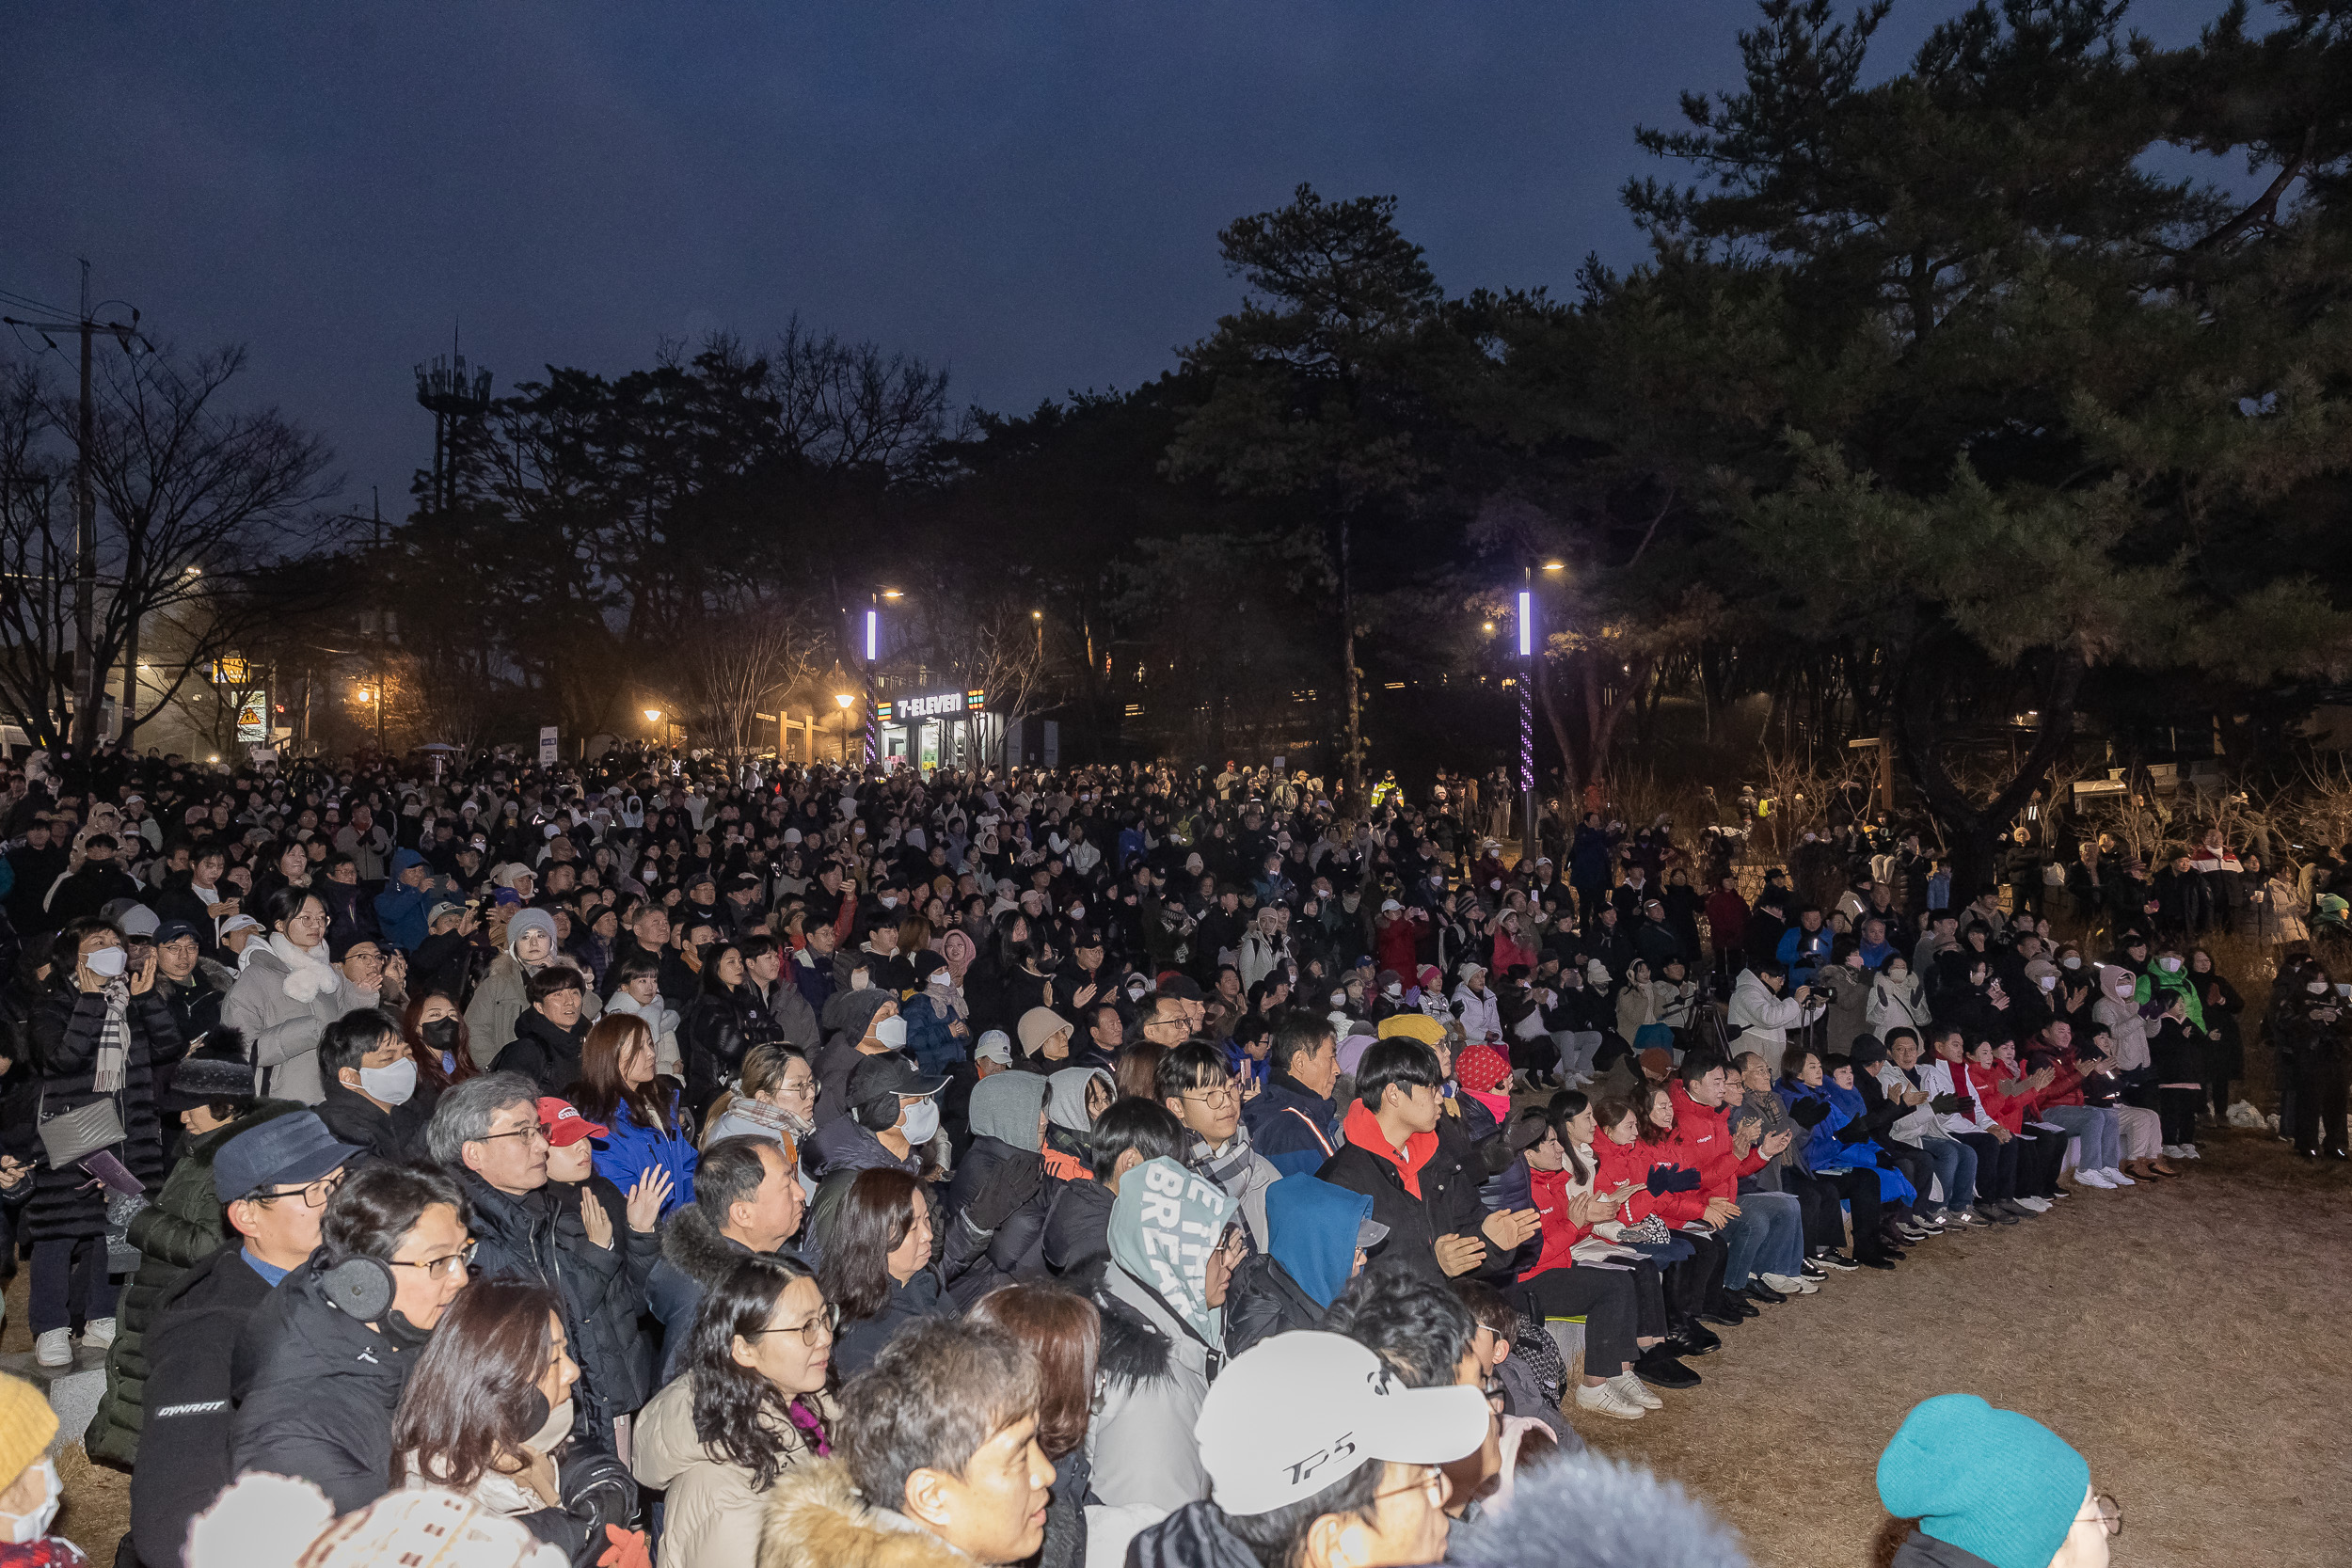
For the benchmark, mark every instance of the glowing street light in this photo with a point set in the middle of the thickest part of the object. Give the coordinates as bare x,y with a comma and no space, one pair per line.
653,716
1555,566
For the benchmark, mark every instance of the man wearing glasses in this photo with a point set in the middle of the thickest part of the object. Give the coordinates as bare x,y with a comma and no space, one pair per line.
1990,1487
1194,1083
253,1323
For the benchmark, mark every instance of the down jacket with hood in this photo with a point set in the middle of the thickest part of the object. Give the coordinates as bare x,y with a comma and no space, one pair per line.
1313,1227
1755,1006
1431,1190
695,1256
1004,1118
316,1390
815,1516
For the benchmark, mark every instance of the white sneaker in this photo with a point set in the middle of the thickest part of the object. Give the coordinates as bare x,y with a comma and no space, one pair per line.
1632,1387
2093,1179
2173,1151
2039,1205
2117,1178
2189,1151
1788,1287
55,1348
1604,1399
98,1333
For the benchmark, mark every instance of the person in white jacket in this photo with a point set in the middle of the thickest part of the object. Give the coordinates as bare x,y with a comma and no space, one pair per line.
1482,1021
1758,1001
1898,1001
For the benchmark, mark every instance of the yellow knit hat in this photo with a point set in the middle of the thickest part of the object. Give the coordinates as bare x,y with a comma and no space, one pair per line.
1413,1026
27,1424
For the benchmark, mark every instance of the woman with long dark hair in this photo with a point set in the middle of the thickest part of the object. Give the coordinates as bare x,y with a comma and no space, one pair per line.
488,1408
645,1128
434,1027
1064,1331
724,1022
751,1406
875,1264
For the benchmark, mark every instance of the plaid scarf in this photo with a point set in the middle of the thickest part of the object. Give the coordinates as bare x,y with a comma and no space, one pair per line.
114,1038
1230,1169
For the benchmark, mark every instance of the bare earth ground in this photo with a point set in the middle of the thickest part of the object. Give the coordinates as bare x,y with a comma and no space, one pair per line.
2185,1337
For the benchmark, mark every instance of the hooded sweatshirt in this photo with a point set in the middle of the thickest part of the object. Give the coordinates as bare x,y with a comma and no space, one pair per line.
1314,1227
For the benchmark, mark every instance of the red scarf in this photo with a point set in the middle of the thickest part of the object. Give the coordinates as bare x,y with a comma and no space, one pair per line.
1363,1128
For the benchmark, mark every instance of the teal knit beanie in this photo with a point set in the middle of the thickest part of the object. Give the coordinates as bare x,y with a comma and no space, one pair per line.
1990,1481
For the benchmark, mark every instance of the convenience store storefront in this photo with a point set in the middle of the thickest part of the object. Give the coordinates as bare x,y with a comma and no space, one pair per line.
939,729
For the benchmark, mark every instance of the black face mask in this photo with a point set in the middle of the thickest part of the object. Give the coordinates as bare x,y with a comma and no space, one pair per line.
441,1033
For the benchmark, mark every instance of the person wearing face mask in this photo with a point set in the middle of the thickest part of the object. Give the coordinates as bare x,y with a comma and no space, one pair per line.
371,1101
892,1115
98,1037
1897,1000
2310,1026
487,1414
28,1504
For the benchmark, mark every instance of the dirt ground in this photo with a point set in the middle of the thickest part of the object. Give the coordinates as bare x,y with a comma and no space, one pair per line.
2183,1336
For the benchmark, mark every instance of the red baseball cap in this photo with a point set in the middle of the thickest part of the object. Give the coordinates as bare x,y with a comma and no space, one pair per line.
563,1124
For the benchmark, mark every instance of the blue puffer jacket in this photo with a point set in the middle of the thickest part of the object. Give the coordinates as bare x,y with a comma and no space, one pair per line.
630,1149
400,911
1823,1150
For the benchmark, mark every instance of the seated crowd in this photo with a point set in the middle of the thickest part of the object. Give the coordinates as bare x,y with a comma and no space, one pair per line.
770,1176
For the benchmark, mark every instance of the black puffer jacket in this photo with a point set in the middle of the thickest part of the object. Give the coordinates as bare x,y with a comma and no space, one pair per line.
189,1420
1013,1250
1263,1301
317,1390
540,1237
1449,1203
1077,1239
694,1258
394,1134
65,1029
182,1227
719,1027
546,1055
1194,1536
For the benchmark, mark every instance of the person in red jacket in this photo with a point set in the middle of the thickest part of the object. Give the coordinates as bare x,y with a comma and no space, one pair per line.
1632,1152
1765,1240
2006,1091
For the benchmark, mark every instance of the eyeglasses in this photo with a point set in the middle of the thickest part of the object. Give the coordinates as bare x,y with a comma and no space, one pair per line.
1433,1482
453,1266
826,1321
2108,1512
531,1130
1221,1095
797,1087
313,1195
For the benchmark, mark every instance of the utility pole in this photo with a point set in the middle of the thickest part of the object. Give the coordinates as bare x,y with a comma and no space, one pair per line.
89,682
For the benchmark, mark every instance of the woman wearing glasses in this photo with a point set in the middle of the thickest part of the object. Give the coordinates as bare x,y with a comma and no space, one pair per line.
1986,1487
751,1406
487,1411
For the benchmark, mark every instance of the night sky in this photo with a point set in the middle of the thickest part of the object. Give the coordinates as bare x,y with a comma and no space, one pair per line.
1027,193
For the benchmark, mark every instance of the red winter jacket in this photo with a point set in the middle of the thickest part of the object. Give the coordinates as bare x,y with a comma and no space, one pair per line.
1726,918
1702,1142
1549,1191
2006,1109
1615,1163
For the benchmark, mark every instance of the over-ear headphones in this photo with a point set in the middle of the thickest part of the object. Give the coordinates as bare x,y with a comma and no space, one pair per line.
360,1288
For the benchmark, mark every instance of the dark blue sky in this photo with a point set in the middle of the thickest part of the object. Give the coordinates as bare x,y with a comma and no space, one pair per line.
1027,192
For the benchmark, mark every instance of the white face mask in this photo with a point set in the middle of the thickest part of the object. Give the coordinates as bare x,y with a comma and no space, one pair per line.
2049,982
2072,963
107,962
2317,987
552,1431
892,1032
889,901
1898,976
390,1085
29,1527
921,1121
2171,966
858,980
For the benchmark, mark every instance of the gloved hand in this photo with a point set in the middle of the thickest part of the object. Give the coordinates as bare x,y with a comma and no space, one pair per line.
1809,1114
1672,1179
1886,1160
1012,1184
1945,1104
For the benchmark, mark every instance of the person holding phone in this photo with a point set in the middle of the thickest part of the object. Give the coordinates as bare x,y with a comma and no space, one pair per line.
99,1036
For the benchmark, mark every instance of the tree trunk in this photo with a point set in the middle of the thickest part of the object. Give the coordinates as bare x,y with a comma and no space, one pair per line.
1970,829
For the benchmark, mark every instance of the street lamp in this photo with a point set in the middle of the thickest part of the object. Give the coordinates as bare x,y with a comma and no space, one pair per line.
845,698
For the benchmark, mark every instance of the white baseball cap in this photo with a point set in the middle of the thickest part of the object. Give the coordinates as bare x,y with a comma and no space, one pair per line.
1301,1412
1389,906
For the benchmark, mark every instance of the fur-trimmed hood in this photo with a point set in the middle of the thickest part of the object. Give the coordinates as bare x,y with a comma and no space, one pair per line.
815,1516
693,1246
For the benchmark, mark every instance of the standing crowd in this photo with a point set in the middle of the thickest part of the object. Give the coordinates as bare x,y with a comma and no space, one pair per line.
826,1167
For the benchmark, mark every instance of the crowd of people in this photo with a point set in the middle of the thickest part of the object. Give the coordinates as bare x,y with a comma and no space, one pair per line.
819,1165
